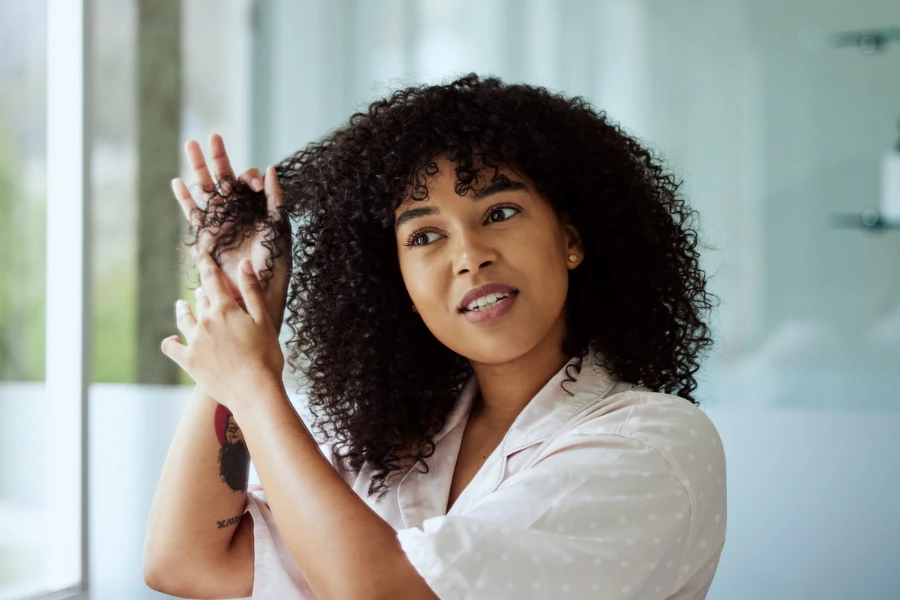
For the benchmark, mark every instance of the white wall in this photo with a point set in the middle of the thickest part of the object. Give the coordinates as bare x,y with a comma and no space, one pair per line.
811,505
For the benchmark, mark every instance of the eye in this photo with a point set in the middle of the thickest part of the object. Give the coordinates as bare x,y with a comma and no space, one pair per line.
416,239
499,210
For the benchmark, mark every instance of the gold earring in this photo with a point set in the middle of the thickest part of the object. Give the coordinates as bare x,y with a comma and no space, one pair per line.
573,257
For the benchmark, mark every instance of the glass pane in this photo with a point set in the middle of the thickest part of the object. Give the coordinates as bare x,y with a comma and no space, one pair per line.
113,191
23,62
161,75
205,101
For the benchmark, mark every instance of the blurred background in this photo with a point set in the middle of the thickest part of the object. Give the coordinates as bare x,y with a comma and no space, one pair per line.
781,116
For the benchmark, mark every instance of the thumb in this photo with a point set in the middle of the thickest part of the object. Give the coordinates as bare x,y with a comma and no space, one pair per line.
175,350
251,290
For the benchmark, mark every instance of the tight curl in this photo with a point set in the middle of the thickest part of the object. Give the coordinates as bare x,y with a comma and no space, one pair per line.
378,383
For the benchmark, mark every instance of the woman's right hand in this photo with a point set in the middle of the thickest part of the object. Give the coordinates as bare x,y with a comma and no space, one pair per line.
251,247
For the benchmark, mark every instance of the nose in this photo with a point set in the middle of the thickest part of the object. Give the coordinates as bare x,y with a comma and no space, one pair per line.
473,253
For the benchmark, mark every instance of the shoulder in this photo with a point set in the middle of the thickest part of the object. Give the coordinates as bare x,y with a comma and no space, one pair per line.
666,423
667,431
657,438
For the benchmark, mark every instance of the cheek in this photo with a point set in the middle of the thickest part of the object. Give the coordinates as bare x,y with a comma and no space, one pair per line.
419,281
540,260
550,286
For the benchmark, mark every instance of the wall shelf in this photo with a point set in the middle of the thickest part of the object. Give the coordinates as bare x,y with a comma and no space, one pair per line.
869,219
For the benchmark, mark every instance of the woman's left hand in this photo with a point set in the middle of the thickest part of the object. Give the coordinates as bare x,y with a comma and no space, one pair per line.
230,353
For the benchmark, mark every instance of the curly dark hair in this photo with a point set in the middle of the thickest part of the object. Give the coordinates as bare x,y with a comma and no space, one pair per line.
377,381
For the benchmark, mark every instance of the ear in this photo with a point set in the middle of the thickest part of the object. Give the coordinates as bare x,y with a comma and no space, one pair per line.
574,243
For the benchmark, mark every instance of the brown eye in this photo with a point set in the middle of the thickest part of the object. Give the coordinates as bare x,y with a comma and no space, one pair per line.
499,210
420,238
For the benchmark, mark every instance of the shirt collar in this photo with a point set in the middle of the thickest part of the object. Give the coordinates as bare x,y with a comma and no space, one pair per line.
548,410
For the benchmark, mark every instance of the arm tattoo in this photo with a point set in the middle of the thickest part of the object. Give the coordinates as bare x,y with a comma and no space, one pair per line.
229,522
234,459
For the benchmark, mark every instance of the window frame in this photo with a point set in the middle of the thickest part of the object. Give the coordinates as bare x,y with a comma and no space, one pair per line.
68,307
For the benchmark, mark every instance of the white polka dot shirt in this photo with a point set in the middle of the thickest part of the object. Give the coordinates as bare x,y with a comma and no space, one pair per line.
612,492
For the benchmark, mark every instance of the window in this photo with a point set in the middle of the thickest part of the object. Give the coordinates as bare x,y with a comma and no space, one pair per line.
71,302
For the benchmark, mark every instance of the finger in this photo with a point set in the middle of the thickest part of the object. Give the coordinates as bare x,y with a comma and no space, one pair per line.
274,193
219,158
253,178
186,201
184,319
212,282
202,301
251,290
198,164
175,350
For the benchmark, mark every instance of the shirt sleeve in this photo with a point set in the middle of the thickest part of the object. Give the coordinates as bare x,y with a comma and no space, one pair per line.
603,516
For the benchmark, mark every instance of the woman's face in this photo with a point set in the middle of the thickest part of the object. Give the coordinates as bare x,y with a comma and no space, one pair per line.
233,433
448,245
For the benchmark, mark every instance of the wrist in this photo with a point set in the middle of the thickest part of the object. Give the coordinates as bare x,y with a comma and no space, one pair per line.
278,322
257,388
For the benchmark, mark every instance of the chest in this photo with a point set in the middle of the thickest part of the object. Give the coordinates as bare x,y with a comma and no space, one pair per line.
477,445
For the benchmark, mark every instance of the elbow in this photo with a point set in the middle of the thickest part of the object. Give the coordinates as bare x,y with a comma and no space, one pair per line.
155,574
153,577
159,577
182,576
159,580
152,565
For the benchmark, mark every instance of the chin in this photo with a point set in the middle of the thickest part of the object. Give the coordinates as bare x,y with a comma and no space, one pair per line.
497,351
495,346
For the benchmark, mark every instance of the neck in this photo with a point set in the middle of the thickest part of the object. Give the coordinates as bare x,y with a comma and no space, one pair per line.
506,388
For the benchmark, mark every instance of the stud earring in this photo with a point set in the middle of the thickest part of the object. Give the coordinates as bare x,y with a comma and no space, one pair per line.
573,257
415,310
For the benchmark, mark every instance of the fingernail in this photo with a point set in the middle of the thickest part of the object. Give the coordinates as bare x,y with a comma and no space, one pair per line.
247,266
256,184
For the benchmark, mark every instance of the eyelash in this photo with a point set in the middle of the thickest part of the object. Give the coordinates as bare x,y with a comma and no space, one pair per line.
409,242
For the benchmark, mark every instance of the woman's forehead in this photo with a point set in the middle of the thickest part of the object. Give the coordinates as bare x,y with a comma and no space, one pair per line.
443,181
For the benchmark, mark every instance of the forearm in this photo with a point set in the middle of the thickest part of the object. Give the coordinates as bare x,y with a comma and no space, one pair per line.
329,530
201,493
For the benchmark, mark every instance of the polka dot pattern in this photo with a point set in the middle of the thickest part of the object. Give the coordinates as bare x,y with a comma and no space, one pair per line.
586,497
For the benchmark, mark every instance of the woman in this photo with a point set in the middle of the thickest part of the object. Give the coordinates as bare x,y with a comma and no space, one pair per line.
497,306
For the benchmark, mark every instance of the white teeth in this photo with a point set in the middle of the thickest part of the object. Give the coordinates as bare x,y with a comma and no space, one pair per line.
486,301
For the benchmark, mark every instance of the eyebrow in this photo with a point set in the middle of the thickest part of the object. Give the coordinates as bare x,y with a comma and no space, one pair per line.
495,188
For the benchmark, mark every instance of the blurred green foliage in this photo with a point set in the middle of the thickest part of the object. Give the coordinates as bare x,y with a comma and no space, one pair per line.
114,331
23,288
22,272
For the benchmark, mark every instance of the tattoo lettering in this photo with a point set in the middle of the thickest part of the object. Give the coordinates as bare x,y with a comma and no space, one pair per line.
229,522
234,458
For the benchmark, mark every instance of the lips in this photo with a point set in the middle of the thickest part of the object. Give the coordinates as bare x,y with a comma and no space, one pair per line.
484,290
493,313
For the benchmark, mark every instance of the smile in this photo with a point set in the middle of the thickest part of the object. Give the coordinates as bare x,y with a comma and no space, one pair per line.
490,308
487,301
